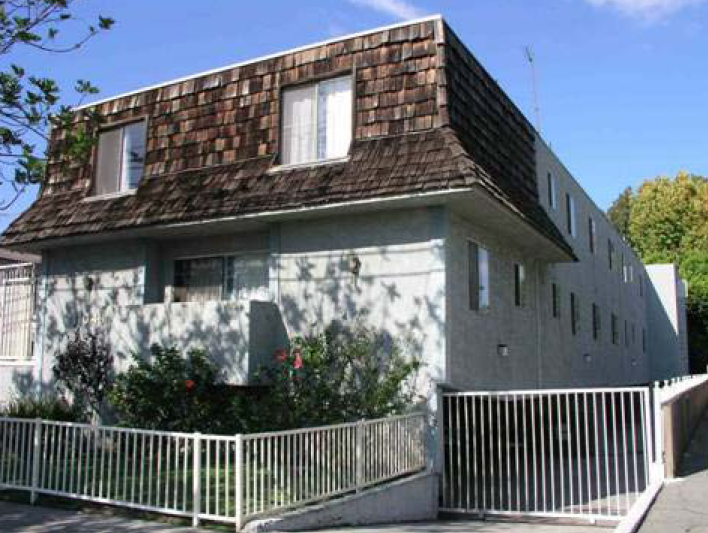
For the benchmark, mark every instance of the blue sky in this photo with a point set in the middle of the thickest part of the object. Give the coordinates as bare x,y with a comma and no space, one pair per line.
623,84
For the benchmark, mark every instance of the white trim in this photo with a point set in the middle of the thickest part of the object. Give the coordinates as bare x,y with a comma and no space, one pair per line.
17,362
308,164
262,58
110,195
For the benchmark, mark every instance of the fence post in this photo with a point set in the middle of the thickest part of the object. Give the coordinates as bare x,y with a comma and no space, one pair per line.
196,479
359,454
660,467
36,450
238,482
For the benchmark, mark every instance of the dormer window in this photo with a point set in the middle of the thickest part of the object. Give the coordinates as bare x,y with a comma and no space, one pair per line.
317,121
121,158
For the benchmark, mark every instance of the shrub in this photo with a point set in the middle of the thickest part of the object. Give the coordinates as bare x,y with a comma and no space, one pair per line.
340,375
173,392
84,369
45,407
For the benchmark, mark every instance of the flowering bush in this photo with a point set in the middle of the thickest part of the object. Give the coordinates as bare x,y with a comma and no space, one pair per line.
340,375
173,392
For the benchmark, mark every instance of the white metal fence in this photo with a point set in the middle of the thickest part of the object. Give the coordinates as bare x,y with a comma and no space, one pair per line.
229,479
579,453
16,311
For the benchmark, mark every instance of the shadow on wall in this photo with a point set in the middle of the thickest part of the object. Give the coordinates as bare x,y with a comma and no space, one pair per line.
239,336
663,345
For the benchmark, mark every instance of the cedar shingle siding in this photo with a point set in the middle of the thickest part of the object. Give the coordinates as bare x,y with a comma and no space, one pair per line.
427,117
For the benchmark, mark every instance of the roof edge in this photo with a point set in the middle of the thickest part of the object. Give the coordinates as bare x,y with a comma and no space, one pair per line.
266,57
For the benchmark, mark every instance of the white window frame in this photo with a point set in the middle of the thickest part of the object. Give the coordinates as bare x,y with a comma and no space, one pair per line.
123,185
264,294
552,191
315,115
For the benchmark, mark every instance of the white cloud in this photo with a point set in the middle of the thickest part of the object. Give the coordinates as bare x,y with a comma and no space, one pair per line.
400,9
647,9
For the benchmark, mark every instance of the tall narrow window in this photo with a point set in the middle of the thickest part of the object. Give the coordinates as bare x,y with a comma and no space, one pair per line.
625,270
478,265
591,235
552,198
555,295
519,285
626,334
570,213
615,329
574,314
595,322
644,340
610,254
317,121
121,158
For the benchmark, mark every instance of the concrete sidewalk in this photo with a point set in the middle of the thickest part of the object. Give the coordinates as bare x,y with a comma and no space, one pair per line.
15,518
469,526
682,505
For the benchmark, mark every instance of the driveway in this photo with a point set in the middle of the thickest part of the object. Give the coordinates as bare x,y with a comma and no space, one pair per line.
35,519
682,504
15,518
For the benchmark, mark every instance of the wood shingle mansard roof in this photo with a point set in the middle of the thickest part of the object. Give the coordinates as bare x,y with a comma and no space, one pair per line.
427,117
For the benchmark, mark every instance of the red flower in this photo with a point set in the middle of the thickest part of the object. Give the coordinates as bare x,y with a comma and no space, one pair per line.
297,363
281,355
189,384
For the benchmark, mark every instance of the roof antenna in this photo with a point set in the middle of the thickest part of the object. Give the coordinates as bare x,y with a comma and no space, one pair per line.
534,84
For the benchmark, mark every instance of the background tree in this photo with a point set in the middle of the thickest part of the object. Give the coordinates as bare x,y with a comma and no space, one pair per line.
668,223
29,102
619,212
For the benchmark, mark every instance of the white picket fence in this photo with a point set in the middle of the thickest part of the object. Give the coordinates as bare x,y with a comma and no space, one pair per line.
231,479
570,453
17,294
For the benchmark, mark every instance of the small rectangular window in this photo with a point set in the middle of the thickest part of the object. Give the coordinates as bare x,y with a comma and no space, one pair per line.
626,334
121,158
555,295
570,214
317,121
519,285
596,325
615,329
591,235
631,273
574,314
478,265
610,254
552,198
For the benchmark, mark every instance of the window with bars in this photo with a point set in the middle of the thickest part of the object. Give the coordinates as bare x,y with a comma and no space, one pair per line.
317,121
234,277
121,158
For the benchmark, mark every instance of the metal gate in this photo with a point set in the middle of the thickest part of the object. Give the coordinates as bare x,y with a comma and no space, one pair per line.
576,453
16,311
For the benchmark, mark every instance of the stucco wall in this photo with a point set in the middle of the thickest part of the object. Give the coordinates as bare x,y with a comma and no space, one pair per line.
125,288
666,315
543,351
400,287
